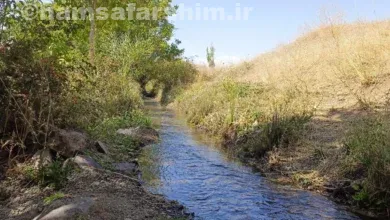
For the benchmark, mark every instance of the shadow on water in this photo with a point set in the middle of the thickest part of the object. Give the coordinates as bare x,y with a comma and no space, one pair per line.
185,166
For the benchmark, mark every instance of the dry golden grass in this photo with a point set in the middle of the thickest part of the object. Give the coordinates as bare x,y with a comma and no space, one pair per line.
338,64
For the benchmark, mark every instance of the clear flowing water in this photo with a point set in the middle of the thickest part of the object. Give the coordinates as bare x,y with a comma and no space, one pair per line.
188,168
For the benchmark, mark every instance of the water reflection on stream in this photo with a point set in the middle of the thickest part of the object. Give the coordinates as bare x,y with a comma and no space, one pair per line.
187,167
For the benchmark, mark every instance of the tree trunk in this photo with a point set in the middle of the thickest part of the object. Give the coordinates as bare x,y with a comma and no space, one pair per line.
92,34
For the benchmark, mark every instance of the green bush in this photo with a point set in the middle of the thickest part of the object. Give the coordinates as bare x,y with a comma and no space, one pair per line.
90,100
54,175
368,144
30,173
181,74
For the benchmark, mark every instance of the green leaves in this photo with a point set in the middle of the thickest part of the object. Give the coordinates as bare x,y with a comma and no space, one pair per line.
211,56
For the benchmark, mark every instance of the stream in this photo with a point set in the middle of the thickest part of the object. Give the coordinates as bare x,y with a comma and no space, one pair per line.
188,167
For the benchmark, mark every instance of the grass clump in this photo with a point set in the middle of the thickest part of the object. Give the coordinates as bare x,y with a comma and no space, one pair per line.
54,175
278,133
122,148
56,196
369,148
106,128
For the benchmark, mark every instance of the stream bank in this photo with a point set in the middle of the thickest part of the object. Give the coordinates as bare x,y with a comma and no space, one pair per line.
99,180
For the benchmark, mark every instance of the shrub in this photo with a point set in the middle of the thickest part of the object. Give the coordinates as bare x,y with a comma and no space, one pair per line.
54,175
91,99
281,131
368,145
181,74
46,82
29,91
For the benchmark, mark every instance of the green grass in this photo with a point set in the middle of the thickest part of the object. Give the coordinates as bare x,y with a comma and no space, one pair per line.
122,148
368,144
54,175
50,199
106,128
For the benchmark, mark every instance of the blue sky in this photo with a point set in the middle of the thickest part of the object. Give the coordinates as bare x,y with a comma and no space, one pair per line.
270,24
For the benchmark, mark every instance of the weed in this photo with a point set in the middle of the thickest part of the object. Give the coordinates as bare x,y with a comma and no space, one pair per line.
280,132
54,175
175,218
362,198
122,148
319,153
56,196
302,180
107,128
30,173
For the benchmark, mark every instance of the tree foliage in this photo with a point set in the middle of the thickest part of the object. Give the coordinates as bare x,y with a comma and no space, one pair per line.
61,73
211,56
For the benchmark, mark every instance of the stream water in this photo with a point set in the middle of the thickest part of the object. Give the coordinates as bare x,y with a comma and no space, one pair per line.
187,167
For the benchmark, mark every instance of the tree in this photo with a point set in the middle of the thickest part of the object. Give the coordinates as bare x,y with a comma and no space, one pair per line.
92,33
211,56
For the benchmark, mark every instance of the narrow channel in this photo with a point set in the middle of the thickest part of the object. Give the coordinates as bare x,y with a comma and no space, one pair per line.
187,167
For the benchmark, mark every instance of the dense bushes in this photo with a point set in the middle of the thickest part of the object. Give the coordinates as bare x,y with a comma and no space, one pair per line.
29,93
89,100
49,78
181,74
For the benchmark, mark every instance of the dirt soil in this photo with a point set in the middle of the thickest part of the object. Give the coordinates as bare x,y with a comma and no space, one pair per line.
114,196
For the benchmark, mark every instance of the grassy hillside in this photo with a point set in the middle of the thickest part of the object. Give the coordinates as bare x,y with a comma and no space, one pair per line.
313,110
